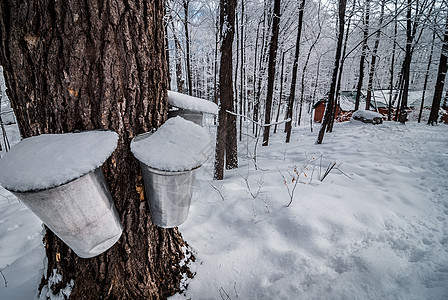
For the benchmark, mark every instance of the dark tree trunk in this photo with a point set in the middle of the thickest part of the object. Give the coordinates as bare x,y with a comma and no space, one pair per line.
425,84
408,57
392,65
292,93
331,95
440,81
271,70
341,69
363,54
187,47
79,66
226,121
374,56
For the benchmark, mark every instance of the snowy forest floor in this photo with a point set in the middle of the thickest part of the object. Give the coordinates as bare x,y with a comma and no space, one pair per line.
375,228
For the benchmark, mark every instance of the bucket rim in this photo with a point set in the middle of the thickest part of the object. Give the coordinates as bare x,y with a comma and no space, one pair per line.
54,186
167,172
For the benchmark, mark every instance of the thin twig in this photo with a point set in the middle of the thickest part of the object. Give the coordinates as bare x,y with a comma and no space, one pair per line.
221,290
329,168
4,278
217,190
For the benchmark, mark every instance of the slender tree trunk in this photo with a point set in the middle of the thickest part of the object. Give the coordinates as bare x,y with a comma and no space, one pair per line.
178,60
186,3
408,57
440,81
262,67
341,69
363,54
242,74
315,90
331,96
392,65
281,90
374,56
77,66
271,70
425,84
289,109
254,102
305,66
225,123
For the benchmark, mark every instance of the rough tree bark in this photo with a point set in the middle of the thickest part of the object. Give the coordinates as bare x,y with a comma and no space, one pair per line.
225,123
80,65
271,70
440,81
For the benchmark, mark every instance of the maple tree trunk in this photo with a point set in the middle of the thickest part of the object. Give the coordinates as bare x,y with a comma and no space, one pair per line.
226,133
80,65
363,54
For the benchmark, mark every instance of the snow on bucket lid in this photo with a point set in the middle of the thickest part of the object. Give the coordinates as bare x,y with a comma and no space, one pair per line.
178,145
50,160
191,103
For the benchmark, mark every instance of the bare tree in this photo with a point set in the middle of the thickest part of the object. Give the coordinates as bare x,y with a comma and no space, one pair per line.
331,95
441,75
226,121
271,70
289,110
374,57
364,53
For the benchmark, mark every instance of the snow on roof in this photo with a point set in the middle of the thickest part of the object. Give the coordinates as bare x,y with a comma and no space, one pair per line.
178,145
191,103
49,160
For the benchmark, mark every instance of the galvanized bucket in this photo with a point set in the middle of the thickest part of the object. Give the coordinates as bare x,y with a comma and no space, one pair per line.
190,115
81,213
169,195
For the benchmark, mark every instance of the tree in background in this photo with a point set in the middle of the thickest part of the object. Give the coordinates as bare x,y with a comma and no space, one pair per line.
273,46
441,75
226,136
73,65
292,92
331,94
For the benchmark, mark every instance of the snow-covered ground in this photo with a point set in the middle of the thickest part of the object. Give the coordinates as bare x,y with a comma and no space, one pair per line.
376,231
374,228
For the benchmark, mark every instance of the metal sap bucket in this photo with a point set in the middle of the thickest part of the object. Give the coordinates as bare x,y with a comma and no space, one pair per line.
81,213
169,195
190,115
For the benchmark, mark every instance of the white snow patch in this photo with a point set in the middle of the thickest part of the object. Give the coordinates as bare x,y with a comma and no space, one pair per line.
178,145
50,160
366,114
63,294
191,103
